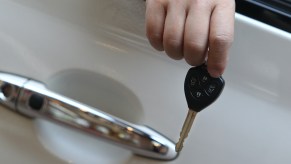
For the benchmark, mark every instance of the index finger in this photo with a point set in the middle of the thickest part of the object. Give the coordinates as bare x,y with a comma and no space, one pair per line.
220,37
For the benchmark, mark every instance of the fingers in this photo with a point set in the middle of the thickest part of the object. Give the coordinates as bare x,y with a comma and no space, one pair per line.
192,29
196,33
220,37
174,29
155,20
165,22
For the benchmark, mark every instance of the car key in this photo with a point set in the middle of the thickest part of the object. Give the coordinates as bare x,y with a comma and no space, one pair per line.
201,90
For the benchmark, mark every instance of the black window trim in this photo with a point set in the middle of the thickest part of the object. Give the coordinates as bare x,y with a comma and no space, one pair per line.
272,12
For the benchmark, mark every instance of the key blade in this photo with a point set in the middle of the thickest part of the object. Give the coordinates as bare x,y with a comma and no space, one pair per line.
185,129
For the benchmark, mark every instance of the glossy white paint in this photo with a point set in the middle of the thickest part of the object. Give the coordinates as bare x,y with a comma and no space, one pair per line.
74,45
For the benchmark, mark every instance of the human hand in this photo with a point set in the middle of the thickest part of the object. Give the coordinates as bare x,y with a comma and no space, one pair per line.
194,29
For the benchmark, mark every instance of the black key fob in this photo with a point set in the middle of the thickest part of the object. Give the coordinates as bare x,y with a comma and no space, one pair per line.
201,89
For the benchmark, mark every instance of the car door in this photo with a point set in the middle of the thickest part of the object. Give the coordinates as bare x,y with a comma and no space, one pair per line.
94,56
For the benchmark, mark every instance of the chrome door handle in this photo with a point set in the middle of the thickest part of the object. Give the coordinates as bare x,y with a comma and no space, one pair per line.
31,98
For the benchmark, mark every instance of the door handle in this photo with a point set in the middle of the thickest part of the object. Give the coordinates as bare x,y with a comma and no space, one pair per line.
33,99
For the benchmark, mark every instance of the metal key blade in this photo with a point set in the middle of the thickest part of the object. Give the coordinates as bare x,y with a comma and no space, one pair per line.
186,128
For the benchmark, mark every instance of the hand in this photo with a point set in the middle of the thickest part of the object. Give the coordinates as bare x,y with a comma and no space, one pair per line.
194,29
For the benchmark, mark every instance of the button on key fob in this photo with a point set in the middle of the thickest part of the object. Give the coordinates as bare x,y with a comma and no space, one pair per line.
201,90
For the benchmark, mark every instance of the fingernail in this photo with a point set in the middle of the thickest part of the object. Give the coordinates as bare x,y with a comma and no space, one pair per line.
214,73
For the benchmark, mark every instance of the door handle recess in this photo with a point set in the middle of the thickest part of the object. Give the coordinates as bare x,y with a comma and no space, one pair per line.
33,99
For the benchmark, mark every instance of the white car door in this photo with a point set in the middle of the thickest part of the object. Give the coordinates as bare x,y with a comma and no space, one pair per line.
94,56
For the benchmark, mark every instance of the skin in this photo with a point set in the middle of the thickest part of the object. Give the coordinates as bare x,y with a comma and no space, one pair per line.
196,30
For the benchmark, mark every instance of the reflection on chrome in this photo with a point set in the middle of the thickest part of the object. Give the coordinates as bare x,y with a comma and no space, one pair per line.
31,98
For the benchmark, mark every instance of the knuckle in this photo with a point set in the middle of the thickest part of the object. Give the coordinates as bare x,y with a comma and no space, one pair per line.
173,43
226,3
160,2
202,3
154,37
222,39
194,46
173,48
174,56
231,3
194,52
156,40
156,1
194,61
